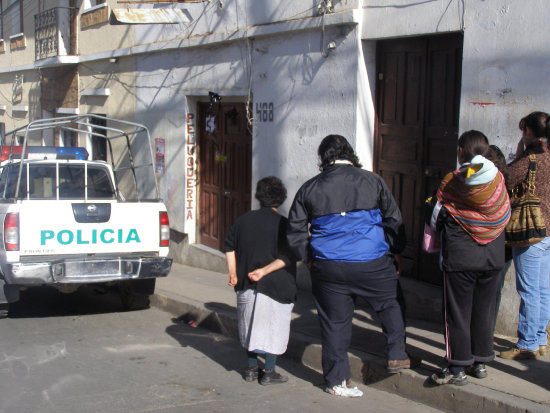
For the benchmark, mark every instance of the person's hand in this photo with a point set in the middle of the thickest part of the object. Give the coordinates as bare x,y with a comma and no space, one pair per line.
232,280
397,262
521,147
257,274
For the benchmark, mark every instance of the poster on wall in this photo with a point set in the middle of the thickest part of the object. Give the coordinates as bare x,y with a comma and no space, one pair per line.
159,155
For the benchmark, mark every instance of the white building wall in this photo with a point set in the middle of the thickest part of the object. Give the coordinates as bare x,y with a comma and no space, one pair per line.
168,87
506,55
366,115
505,58
228,16
313,92
505,71
397,18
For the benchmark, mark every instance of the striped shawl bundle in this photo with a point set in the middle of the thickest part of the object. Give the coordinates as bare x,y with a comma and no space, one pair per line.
481,210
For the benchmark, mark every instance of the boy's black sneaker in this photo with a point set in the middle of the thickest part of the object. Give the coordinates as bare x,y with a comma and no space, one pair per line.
477,370
251,374
272,377
446,377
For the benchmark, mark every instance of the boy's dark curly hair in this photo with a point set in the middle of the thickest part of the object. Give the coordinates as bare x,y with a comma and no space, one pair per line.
270,191
334,148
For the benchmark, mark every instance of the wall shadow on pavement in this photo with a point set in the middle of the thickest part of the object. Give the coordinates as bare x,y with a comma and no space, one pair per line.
218,328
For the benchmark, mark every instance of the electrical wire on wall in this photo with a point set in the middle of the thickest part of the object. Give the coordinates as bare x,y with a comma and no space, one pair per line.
324,7
248,106
460,12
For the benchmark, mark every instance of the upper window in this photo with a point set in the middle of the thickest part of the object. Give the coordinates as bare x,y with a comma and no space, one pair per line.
88,4
12,17
69,138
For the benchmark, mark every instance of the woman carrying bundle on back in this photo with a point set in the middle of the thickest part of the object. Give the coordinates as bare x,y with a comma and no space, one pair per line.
471,212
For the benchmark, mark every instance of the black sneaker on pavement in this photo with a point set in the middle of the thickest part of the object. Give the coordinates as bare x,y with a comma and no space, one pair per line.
251,374
272,377
446,377
477,370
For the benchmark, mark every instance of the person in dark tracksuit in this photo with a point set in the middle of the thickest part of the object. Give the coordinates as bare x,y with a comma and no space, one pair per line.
470,213
355,228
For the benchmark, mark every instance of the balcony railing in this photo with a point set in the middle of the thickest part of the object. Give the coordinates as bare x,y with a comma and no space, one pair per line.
51,33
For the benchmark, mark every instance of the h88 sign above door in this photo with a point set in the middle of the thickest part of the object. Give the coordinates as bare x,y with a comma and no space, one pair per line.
264,111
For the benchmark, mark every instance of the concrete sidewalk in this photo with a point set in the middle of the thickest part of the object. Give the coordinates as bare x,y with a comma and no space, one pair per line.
202,296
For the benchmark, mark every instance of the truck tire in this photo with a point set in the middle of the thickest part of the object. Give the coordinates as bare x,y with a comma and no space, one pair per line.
134,294
4,309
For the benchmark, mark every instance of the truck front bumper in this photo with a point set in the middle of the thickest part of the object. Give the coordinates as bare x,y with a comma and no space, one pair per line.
86,270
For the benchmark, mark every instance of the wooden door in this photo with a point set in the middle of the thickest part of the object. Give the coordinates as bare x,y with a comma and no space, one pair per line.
418,95
225,170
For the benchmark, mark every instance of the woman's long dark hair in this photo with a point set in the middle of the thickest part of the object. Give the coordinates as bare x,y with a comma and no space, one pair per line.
537,122
334,148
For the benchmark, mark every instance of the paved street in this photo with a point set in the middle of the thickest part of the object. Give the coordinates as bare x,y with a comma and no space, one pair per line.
82,352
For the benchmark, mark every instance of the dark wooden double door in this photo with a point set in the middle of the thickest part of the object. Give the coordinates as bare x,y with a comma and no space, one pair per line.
418,95
225,169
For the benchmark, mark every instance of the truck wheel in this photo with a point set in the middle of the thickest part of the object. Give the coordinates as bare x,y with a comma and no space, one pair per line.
134,294
4,310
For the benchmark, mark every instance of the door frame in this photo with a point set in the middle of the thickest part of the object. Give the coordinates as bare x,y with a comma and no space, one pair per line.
414,250
223,221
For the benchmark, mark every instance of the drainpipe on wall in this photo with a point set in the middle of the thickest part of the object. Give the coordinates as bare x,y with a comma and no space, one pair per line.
73,25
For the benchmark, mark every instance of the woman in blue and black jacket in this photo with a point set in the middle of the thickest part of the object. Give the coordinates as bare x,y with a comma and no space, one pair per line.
355,228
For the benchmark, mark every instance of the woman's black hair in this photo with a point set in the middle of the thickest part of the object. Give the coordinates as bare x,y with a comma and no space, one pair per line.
473,143
334,148
270,191
537,122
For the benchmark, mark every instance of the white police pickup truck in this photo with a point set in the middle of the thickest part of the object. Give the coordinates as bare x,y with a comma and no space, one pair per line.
66,221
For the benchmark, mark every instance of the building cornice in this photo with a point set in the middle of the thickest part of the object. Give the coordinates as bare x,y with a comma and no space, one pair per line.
350,17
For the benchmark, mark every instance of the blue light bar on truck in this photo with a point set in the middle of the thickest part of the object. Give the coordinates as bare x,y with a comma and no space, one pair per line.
56,152
44,152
